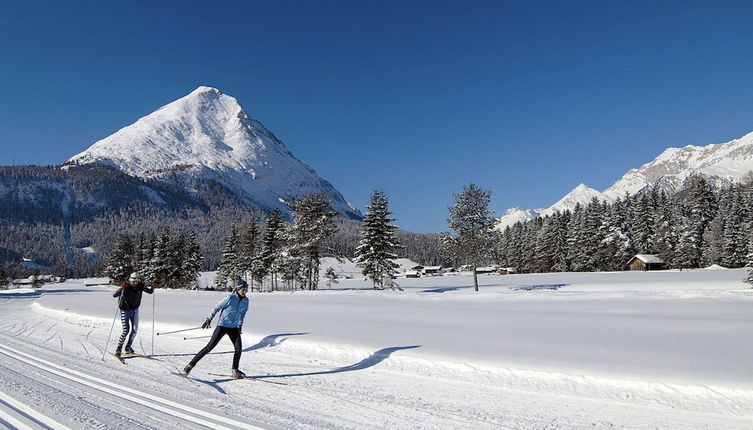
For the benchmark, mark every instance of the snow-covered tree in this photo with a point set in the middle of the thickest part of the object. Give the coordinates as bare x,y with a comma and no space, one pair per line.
749,278
470,220
734,240
272,244
312,226
700,210
330,276
191,261
119,263
375,254
248,258
228,269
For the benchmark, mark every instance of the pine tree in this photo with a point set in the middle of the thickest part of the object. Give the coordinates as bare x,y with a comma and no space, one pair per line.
701,207
330,276
147,266
272,243
749,278
191,262
249,250
734,242
471,221
162,261
119,263
665,228
312,226
375,253
229,264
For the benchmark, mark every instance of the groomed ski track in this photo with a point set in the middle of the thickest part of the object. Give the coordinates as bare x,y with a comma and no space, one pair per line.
134,398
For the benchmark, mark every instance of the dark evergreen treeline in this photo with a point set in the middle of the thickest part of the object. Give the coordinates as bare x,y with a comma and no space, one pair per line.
170,261
694,228
279,256
50,214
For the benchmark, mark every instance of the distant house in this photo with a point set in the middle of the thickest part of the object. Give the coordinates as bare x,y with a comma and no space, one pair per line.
646,262
432,270
412,274
486,269
507,270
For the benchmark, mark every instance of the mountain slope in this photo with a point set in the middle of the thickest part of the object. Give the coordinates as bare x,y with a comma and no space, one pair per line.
721,164
208,135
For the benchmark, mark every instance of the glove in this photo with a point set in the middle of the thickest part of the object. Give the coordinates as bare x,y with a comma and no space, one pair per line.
154,286
207,323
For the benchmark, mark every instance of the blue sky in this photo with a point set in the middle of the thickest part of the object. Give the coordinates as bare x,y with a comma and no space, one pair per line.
416,98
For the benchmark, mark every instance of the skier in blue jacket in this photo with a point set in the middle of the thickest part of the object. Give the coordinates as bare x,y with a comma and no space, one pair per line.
232,312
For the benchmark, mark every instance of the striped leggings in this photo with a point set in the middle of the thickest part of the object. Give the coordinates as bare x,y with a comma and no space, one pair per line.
130,321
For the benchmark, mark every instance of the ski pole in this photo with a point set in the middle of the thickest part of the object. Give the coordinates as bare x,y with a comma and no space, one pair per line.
196,337
153,304
108,336
117,309
178,331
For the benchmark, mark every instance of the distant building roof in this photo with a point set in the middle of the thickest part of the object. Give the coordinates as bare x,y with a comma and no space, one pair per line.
649,258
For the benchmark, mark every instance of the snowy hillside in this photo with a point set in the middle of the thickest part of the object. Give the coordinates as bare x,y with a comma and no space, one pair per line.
209,135
721,163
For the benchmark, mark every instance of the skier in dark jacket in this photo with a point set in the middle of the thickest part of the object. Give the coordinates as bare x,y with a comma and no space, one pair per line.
232,312
129,302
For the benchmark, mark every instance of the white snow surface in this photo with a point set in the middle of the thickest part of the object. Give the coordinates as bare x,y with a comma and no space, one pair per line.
628,350
208,134
721,163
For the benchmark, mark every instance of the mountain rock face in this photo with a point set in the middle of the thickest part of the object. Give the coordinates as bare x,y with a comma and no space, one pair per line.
721,164
208,135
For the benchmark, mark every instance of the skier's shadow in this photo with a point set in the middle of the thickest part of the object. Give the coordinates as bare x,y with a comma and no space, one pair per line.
271,341
214,384
367,362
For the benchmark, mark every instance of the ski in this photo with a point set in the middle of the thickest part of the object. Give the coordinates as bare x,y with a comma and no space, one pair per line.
137,355
119,358
249,378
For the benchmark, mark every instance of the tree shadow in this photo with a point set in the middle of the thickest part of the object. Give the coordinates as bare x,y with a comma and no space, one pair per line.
540,287
39,292
367,362
445,289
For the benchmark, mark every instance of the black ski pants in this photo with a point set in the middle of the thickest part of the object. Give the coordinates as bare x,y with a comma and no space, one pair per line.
234,333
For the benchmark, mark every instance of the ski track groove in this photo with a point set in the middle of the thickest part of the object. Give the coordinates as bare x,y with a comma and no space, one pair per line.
165,406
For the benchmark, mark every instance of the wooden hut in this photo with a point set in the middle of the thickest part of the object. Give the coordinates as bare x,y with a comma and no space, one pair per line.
646,262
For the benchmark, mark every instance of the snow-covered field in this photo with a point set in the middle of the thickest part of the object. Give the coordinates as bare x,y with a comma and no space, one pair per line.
623,350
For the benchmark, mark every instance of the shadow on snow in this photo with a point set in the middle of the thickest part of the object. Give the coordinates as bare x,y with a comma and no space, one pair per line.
367,362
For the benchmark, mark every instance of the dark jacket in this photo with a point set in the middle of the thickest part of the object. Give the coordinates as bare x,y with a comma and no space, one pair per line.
131,299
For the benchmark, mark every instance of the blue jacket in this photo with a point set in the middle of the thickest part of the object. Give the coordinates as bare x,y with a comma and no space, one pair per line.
233,311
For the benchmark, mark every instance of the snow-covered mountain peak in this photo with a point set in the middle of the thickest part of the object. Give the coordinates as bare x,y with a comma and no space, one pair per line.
204,89
721,163
581,194
209,135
